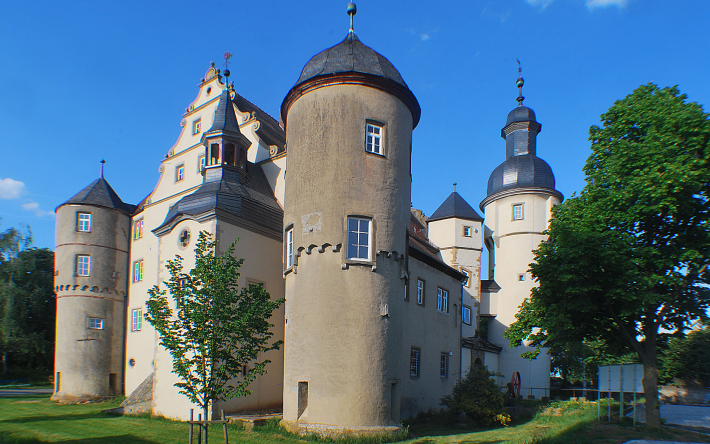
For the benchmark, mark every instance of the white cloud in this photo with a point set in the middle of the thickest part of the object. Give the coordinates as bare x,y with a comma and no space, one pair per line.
594,4
424,37
34,207
541,3
11,188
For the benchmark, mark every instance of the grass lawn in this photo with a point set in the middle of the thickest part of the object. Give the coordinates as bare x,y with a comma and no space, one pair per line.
36,419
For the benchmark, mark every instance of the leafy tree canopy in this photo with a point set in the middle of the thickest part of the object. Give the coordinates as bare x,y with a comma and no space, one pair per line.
217,329
628,258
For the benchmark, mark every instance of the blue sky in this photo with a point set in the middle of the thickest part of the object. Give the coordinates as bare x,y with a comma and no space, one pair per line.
86,80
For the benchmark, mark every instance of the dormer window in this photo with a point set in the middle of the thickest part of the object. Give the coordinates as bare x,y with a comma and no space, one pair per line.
197,126
373,138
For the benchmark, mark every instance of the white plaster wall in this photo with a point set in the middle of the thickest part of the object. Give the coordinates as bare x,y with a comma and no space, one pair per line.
514,241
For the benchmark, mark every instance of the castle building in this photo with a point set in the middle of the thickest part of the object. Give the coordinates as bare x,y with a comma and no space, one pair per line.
382,303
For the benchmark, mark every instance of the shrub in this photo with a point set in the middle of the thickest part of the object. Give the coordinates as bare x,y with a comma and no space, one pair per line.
478,396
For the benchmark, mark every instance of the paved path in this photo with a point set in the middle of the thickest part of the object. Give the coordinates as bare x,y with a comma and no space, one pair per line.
20,392
682,415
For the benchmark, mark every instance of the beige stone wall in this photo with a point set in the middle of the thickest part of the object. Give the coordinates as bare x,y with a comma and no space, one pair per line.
85,357
343,318
513,242
432,332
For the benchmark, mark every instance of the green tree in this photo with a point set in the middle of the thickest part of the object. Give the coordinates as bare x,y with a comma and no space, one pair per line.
479,397
628,258
688,358
27,303
216,329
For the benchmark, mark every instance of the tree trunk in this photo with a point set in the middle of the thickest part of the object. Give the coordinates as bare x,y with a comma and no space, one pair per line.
650,378
204,411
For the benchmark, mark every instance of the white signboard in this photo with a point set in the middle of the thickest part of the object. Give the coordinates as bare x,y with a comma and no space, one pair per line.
627,378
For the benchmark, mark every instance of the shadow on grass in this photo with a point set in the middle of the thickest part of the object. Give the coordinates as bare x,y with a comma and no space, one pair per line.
118,439
67,417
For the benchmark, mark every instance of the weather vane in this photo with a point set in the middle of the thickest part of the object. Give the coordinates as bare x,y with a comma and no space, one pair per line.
352,10
227,56
102,168
520,83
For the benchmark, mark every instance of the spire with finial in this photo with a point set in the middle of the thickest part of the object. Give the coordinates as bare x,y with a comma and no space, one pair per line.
227,56
455,187
520,83
102,168
352,10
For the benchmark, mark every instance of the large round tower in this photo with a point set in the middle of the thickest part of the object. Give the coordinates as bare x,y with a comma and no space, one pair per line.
349,122
91,277
518,207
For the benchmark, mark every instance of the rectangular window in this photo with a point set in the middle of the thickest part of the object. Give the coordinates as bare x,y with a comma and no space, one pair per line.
289,248
138,229
359,237
83,265
136,319
374,139
138,271
414,362
466,315
442,300
179,173
96,323
467,231
444,366
83,222
197,126
518,212
200,164
420,292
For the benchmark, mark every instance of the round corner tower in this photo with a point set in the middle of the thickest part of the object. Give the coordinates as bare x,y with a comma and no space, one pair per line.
349,122
91,277
518,207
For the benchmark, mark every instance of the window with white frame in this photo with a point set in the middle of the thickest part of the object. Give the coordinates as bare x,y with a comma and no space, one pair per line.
414,359
138,271
83,265
138,229
96,323
374,139
518,212
466,315
442,300
289,248
197,126
444,365
359,238
200,164
467,231
136,319
179,173
420,292
83,221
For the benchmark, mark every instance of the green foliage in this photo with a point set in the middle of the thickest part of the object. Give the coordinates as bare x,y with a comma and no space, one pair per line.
27,304
629,256
217,329
688,358
478,396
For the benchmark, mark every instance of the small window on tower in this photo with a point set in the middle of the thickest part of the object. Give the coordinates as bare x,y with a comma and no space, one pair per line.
373,141
289,248
179,173
518,212
467,231
414,356
96,323
197,126
83,222
83,265
359,238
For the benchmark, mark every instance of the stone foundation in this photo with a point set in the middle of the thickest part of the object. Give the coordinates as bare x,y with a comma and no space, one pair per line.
333,431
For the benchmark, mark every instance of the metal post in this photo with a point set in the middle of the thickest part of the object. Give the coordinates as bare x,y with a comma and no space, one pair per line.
226,437
634,408
608,406
192,418
621,402
598,406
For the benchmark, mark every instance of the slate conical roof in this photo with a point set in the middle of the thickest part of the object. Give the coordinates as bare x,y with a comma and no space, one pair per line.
350,55
225,118
455,206
99,193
